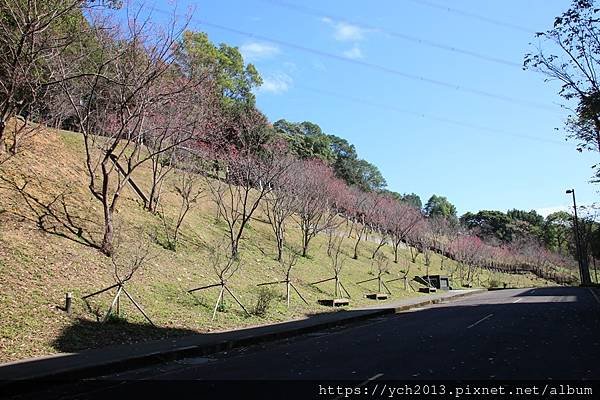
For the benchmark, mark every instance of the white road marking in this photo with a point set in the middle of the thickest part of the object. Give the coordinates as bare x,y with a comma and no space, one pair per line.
594,294
518,300
362,384
372,378
480,321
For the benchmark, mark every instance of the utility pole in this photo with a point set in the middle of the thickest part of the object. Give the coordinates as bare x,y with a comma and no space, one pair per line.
584,272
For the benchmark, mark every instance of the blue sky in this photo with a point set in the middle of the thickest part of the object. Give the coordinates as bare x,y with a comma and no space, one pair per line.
345,66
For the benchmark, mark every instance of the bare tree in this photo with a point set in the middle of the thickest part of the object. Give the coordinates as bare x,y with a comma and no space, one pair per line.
406,265
383,267
337,263
279,205
169,128
287,262
122,83
189,190
32,34
125,265
224,266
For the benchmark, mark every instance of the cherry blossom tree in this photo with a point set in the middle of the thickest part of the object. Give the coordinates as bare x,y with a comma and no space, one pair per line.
442,233
362,211
317,192
380,221
252,171
402,220
466,250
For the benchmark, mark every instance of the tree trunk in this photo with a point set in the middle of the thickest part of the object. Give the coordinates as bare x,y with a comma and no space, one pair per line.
14,145
234,249
305,240
107,240
2,139
355,256
279,248
379,246
152,205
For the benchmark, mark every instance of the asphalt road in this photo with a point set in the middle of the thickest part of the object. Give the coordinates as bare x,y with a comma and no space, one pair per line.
547,333
522,334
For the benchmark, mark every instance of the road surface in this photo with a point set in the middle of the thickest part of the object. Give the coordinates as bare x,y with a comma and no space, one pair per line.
533,334
506,334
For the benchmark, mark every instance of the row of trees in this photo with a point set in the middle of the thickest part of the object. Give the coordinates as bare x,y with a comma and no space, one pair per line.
163,96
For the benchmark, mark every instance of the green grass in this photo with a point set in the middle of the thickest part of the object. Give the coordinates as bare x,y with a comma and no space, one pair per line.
37,267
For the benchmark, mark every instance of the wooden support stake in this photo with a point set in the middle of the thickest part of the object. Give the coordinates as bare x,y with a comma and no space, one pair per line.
113,302
219,300
386,288
294,287
138,307
205,287
100,291
347,294
235,298
68,301
135,187
324,280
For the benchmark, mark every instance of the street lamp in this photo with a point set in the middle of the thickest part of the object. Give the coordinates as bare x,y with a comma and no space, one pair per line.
583,270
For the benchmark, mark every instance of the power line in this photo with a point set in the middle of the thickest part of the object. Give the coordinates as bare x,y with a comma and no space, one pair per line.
469,14
377,67
463,124
414,39
393,71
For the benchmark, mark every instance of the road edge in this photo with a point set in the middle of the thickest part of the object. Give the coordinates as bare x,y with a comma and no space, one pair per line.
141,360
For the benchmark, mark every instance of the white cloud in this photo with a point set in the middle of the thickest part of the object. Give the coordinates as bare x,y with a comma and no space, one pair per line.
253,51
277,83
354,53
344,31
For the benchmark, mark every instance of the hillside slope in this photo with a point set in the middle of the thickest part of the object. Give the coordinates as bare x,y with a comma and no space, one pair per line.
41,260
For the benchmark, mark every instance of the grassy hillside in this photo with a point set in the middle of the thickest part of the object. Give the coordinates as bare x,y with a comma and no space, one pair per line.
37,266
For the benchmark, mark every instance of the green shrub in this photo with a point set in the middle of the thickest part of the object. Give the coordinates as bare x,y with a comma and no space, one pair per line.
264,300
494,283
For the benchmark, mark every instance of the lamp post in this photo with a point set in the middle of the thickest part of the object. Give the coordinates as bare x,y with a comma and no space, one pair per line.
584,273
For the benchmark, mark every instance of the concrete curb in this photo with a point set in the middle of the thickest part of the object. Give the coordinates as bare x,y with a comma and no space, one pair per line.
9,375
